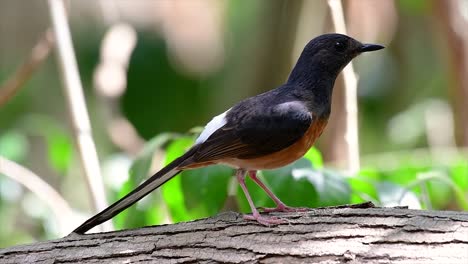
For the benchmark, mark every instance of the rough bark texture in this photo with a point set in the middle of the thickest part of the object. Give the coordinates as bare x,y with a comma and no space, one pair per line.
328,235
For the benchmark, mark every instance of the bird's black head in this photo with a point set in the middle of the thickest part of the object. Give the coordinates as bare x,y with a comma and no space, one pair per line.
321,61
328,54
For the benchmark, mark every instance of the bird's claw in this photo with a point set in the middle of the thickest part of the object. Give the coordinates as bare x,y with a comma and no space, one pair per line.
266,221
283,208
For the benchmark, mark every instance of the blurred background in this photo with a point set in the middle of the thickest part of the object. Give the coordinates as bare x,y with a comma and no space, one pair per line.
154,72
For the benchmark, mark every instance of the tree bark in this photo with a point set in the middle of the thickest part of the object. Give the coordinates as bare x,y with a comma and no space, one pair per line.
345,234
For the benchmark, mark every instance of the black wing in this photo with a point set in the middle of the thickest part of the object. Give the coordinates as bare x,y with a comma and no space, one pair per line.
250,134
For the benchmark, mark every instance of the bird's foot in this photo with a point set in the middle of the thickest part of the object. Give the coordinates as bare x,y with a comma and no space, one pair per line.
283,208
267,221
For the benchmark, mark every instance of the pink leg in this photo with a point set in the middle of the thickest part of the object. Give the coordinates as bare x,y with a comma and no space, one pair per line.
240,174
280,206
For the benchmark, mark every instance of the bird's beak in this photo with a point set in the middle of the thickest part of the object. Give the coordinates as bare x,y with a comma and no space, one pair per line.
370,47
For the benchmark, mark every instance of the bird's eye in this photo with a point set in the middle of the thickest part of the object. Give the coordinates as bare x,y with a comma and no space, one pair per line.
340,46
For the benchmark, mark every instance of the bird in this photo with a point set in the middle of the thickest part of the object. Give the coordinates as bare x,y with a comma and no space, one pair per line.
266,131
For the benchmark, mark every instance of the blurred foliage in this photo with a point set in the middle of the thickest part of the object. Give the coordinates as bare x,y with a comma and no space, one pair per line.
305,183
394,88
150,92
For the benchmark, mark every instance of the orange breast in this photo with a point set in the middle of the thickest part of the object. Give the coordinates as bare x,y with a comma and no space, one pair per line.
285,156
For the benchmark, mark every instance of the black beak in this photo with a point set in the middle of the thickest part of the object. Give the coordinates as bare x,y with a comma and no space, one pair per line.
370,47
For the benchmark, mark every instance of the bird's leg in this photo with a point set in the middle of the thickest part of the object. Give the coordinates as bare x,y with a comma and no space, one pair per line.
240,175
280,206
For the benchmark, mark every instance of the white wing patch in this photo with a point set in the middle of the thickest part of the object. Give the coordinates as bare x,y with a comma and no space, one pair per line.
216,123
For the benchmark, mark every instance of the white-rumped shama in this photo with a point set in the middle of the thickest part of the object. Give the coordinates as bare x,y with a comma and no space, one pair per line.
266,131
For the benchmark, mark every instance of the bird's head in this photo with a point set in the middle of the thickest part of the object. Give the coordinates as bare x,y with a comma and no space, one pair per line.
332,52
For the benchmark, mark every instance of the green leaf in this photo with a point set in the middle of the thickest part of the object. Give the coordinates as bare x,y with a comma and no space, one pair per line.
363,186
459,174
172,191
205,189
259,197
391,194
370,174
142,164
460,196
294,190
335,189
59,142
315,157
404,175
362,190
149,210
13,145
331,187
291,185
128,218
439,189
60,152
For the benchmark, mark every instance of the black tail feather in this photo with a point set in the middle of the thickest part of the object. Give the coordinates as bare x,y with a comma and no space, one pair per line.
134,196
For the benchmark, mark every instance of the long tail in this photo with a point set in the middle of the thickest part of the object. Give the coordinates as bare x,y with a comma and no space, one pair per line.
134,196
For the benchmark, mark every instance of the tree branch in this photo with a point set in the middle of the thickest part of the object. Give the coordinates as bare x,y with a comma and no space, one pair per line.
76,102
350,84
45,192
38,55
326,235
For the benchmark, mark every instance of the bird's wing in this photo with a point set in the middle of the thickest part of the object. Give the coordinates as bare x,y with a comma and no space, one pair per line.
251,133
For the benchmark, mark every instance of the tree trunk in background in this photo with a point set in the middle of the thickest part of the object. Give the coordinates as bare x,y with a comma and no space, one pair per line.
449,14
333,144
346,234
